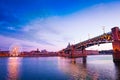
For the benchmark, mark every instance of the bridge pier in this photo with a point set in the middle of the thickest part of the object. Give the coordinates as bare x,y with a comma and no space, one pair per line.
116,44
84,52
84,60
72,51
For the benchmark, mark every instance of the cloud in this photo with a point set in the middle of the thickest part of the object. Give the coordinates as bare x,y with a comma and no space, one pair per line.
59,30
11,28
27,45
7,18
55,32
44,30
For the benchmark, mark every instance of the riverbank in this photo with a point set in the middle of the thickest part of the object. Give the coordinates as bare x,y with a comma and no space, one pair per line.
29,54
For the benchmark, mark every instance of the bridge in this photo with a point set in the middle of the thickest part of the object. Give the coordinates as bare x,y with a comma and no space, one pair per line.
78,50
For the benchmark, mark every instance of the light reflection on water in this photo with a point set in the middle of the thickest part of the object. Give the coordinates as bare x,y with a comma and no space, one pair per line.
57,68
69,66
98,68
13,68
103,66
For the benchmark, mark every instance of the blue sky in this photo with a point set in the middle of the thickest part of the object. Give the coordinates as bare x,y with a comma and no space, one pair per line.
52,24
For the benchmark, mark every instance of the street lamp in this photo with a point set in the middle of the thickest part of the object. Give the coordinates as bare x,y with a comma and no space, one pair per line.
103,29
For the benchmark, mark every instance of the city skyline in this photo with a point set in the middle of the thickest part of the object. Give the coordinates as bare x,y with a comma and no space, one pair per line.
52,24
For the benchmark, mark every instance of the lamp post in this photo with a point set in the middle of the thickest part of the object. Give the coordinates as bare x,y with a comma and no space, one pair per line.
88,36
103,29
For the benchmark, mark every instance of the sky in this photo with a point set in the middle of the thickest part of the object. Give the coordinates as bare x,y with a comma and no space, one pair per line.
52,24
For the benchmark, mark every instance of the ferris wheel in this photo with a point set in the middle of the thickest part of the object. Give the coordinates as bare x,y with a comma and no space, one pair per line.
15,49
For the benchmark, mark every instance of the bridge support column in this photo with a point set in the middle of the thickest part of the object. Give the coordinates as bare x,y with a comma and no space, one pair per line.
72,52
85,54
116,44
84,59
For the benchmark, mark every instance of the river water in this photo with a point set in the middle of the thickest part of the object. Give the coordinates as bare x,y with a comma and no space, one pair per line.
97,67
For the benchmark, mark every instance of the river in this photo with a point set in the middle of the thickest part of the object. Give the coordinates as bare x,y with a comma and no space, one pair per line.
97,67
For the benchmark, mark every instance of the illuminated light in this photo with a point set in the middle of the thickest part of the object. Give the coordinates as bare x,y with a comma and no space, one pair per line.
15,49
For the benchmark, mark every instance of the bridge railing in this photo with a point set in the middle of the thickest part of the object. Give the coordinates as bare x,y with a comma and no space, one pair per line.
95,40
91,39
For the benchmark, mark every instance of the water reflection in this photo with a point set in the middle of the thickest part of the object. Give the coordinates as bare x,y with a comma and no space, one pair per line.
13,68
101,69
117,68
69,66
97,68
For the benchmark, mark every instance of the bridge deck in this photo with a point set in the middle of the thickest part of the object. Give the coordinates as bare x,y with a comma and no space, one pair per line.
71,50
